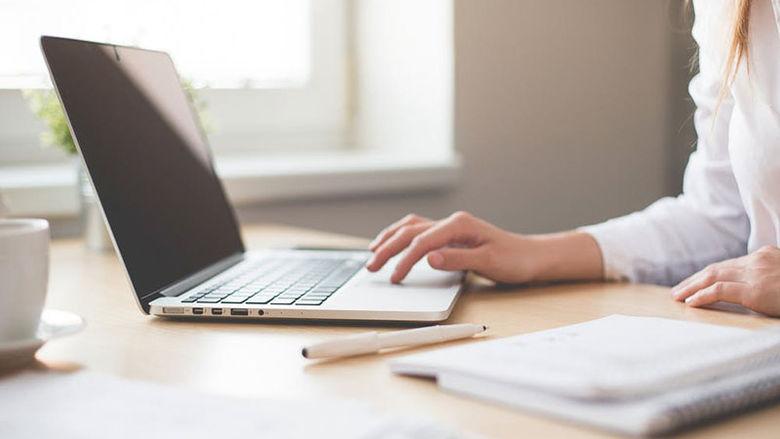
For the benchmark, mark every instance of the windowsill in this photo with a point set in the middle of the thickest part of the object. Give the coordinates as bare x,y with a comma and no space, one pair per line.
50,190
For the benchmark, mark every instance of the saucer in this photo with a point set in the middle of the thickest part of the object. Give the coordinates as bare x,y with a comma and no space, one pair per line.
54,324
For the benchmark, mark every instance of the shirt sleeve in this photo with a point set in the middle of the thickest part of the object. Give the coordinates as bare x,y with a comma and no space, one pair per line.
675,237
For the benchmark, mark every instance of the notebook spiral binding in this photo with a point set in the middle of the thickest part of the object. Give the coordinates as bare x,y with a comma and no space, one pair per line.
757,386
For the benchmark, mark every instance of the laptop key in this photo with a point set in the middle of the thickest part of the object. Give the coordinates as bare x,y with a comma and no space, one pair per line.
242,293
319,292
282,282
335,282
296,293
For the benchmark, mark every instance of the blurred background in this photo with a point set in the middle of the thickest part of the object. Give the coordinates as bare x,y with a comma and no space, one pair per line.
344,115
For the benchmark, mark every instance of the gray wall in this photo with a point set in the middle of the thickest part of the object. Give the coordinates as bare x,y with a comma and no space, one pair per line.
567,112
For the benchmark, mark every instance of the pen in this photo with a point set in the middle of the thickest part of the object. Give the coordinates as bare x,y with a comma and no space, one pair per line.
371,342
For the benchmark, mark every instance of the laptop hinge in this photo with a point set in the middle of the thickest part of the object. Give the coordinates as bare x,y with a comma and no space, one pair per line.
185,284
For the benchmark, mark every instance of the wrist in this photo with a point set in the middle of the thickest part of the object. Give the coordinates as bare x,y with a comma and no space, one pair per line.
573,255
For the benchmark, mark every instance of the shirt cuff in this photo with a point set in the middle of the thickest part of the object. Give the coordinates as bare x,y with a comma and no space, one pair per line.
617,264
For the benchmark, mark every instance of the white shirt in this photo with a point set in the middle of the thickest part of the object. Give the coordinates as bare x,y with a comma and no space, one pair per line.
730,203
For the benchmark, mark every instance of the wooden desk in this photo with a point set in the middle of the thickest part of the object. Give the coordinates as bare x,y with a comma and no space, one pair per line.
263,359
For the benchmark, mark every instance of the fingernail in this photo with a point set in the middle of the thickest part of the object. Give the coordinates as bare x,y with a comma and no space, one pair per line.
689,299
371,262
395,277
436,260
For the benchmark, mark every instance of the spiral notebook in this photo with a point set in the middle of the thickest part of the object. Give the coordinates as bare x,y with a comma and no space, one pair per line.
637,375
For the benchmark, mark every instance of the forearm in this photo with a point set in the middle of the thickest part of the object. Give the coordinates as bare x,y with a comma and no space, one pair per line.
570,255
463,242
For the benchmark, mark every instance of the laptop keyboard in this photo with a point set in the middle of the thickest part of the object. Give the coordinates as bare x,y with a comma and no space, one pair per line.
299,281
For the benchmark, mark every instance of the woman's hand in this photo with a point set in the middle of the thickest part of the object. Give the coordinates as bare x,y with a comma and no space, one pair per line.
463,242
752,281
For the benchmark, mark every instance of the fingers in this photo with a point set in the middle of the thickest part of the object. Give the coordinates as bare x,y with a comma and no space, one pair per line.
388,232
751,281
396,244
457,229
685,282
455,259
705,278
732,292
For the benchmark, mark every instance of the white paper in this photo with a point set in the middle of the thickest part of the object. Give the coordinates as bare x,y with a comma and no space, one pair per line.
616,356
87,405
658,414
636,375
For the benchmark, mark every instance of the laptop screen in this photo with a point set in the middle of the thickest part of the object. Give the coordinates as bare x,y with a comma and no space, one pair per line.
149,161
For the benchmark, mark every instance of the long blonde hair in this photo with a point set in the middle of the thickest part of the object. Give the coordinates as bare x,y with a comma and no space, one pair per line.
738,46
740,38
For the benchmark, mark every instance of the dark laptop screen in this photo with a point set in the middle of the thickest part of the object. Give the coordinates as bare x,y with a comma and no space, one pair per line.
147,158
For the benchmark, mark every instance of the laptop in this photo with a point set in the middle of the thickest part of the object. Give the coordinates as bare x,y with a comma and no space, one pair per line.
172,224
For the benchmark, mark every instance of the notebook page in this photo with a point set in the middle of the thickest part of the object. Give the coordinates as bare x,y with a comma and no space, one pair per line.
615,356
657,414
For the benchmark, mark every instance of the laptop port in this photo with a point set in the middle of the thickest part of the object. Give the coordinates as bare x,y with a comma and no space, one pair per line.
197,311
239,312
260,312
216,311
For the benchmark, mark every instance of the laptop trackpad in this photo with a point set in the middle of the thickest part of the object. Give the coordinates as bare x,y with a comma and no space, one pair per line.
421,276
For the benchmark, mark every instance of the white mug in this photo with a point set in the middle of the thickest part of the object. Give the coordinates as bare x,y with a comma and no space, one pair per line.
24,276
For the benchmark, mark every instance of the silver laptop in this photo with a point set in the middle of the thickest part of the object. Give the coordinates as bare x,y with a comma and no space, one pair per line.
172,224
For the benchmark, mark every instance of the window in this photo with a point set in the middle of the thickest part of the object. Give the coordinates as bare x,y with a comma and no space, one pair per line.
361,92
274,70
204,37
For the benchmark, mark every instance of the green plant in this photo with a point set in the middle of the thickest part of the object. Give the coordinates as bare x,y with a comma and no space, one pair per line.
200,106
45,104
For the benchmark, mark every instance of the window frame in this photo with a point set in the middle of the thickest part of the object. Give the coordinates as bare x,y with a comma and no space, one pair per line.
398,134
311,116
314,116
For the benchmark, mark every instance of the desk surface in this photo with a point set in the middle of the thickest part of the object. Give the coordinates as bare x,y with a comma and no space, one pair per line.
263,359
